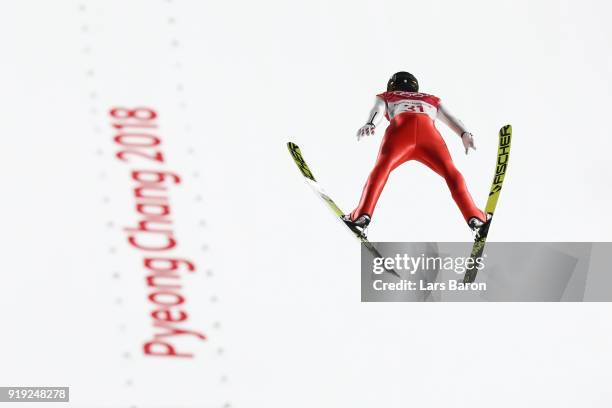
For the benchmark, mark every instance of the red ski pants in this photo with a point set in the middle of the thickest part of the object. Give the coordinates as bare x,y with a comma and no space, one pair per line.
413,136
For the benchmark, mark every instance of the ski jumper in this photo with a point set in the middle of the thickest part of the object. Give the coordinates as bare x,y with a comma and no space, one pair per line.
412,135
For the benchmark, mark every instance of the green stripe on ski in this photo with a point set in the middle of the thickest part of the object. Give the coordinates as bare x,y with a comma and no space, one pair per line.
306,172
312,182
299,160
501,165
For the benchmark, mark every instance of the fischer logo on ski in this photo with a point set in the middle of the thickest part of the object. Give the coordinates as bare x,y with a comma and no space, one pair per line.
505,136
503,155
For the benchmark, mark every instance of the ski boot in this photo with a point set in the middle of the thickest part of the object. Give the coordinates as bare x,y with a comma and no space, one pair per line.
480,227
358,226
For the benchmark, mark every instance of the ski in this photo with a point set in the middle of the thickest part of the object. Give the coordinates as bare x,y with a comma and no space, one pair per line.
314,184
503,154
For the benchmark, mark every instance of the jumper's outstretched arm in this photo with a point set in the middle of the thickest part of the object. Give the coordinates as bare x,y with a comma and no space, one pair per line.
376,114
449,120
457,126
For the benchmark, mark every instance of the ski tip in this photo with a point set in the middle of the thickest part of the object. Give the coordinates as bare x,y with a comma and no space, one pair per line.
294,150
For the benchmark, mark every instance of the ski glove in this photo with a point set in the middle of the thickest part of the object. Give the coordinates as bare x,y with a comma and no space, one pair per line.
366,130
468,141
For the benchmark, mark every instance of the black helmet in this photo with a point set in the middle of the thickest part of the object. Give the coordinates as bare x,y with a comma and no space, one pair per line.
403,81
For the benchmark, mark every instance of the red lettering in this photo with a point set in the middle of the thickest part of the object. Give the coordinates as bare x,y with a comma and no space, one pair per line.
162,349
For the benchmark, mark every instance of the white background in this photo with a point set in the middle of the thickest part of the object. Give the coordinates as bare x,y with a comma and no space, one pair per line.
233,82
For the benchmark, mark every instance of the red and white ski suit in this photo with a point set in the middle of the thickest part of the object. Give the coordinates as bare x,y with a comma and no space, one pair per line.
412,135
